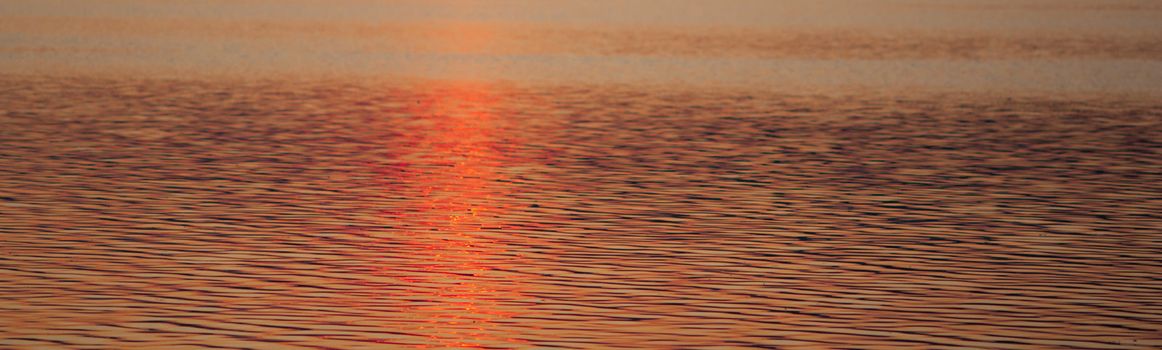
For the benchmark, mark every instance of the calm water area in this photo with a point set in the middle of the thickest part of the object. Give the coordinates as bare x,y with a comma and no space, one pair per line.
580,174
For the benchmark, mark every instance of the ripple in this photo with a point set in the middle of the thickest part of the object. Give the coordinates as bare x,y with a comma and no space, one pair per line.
345,215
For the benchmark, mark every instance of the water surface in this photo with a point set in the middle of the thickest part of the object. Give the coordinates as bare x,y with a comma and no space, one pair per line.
973,174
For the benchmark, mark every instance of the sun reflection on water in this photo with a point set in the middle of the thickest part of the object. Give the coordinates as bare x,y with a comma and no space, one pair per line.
457,276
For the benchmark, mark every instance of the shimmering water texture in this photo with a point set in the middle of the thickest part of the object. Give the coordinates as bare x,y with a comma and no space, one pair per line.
170,214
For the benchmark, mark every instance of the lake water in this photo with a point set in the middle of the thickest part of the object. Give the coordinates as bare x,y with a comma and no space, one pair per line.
379,175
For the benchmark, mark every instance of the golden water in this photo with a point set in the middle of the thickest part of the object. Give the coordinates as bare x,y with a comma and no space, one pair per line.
169,214
582,174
